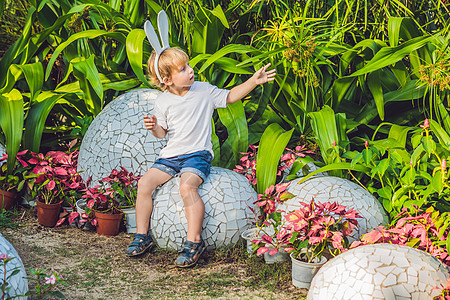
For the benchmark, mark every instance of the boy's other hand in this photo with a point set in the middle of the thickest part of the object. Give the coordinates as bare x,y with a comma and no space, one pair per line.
262,76
150,122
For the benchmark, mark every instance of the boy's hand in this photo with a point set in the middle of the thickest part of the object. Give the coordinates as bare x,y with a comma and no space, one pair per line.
150,122
261,76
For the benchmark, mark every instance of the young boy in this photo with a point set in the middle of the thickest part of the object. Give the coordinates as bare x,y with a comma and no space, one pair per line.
183,112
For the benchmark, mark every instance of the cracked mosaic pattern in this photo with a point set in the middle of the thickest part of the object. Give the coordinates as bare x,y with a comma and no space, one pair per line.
343,191
117,137
380,271
17,283
2,150
226,195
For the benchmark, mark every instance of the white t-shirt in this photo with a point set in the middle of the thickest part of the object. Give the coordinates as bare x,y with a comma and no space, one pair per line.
187,119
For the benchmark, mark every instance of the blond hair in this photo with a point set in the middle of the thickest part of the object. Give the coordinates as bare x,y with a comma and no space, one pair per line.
169,59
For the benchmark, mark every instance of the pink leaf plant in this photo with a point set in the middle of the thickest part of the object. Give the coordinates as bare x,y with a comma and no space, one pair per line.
56,177
413,227
318,229
248,161
124,184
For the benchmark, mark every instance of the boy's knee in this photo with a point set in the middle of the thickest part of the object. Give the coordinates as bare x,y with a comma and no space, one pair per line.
187,190
145,185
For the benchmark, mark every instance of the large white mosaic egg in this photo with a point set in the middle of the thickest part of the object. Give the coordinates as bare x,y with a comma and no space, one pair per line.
2,150
380,271
117,137
342,191
226,195
18,283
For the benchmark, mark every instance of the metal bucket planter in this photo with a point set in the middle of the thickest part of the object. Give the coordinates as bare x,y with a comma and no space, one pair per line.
130,219
303,272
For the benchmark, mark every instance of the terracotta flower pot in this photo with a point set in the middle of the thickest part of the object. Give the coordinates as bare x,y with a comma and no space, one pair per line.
7,199
108,224
48,214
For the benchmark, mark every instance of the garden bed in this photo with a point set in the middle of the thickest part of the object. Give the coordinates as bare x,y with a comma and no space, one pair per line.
95,267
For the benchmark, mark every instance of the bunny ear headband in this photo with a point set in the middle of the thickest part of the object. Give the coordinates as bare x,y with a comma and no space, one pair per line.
163,28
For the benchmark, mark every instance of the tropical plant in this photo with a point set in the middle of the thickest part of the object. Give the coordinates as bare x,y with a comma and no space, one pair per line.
319,229
101,199
20,174
403,174
272,235
45,283
7,274
124,184
425,230
56,177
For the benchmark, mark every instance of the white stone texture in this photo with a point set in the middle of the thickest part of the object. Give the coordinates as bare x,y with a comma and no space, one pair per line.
227,196
308,168
342,191
117,137
18,283
2,150
412,274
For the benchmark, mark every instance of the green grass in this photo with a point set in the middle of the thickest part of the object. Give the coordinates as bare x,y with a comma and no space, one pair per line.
6,217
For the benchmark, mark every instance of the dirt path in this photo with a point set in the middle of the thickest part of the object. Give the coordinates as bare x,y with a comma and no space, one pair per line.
96,267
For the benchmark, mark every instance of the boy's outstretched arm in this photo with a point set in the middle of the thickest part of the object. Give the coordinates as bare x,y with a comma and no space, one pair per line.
260,77
151,123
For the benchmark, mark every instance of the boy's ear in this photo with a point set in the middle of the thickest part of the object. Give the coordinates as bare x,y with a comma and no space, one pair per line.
167,81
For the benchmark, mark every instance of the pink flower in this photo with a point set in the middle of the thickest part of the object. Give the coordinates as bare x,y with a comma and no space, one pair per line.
443,164
366,144
426,124
50,280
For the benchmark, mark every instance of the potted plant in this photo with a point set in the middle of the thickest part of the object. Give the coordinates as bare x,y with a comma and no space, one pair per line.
271,237
318,230
12,182
102,210
124,184
56,179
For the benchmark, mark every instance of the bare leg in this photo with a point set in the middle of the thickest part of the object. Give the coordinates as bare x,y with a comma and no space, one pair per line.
193,205
144,202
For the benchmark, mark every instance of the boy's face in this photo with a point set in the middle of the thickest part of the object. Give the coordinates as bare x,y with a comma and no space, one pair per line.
182,76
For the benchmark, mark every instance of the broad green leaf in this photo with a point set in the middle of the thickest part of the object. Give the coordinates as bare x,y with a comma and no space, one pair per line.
374,83
11,122
37,115
337,166
233,118
437,183
390,55
89,34
34,75
233,48
135,51
86,72
271,147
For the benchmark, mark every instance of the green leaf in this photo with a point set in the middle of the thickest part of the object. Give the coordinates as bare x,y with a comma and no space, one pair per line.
233,48
390,55
11,122
89,34
37,115
233,118
337,166
86,72
273,142
374,82
437,183
135,50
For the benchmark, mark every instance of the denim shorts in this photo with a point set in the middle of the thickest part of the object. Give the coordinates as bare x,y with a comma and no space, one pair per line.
198,163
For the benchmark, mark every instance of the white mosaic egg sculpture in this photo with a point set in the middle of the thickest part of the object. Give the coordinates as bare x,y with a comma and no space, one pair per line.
227,196
117,137
380,271
2,150
342,191
18,283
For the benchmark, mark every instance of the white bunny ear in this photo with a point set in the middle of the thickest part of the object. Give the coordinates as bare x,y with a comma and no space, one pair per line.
163,27
152,37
